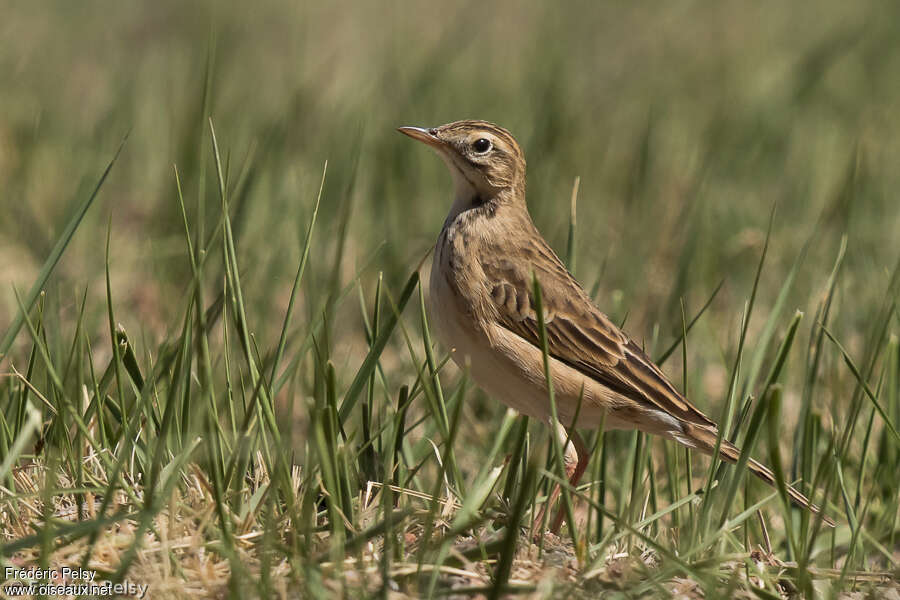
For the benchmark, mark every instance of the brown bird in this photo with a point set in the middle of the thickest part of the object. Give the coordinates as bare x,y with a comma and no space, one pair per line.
482,306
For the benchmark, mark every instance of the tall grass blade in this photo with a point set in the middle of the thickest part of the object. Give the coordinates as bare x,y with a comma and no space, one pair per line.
55,254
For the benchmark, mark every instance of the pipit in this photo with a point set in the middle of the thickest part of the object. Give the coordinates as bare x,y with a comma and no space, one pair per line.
482,305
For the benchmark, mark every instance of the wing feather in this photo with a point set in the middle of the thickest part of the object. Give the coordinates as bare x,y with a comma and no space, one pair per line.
579,334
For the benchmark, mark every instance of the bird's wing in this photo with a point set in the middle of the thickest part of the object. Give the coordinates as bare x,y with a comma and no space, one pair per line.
578,334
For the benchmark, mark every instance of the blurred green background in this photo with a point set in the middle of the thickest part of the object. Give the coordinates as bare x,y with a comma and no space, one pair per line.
686,122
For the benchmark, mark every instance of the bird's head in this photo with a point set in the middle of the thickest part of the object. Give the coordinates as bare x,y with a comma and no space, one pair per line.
484,159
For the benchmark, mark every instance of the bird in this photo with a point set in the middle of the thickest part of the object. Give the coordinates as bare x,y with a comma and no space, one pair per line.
482,306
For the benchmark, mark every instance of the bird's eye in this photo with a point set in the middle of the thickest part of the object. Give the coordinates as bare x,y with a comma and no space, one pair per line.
482,145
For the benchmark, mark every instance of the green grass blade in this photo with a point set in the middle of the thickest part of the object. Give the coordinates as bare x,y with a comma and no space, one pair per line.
55,254
368,365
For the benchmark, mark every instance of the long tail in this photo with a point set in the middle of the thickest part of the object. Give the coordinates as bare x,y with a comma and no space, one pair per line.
705,440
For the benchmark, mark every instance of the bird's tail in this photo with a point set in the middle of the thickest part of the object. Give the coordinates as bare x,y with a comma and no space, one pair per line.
704,439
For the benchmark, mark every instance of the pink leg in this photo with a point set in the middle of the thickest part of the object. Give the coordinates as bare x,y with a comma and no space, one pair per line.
576,460
574,473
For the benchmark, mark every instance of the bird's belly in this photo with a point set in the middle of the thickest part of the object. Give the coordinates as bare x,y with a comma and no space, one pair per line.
472,353
494,374
511,375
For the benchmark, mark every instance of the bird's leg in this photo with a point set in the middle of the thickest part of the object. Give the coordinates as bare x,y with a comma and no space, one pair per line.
575,457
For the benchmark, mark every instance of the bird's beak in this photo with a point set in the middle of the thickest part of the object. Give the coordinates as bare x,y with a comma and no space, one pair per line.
423,135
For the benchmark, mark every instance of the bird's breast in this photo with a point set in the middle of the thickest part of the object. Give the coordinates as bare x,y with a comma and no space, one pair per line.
449,308
456,305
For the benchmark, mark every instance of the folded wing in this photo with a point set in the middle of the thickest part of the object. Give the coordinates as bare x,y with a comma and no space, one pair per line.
578,333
